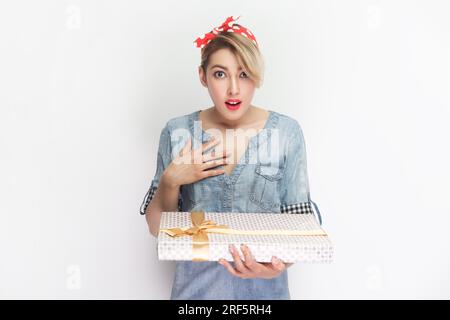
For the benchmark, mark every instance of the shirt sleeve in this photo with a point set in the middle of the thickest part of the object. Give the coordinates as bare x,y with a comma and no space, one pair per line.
162,161
295,196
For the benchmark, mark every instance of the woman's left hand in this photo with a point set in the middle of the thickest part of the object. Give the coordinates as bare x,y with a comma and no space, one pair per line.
250,268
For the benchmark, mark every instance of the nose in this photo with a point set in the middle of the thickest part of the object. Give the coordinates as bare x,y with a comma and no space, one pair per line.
233,86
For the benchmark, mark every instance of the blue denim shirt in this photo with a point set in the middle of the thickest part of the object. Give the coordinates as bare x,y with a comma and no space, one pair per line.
261,182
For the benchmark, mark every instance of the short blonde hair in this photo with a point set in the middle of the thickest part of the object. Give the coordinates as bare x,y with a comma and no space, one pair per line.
246,52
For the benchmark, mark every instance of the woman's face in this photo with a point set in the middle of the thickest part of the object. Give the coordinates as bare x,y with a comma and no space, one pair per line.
226,80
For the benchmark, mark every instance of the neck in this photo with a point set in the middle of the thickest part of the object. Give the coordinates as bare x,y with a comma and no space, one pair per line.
230,124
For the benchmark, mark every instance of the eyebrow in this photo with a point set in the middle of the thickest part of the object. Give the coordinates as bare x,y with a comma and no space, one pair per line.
223,67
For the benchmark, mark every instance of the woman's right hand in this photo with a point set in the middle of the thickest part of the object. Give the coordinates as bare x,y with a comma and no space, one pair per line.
192,165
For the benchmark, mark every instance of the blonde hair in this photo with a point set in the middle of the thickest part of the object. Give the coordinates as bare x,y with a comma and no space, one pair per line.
246,52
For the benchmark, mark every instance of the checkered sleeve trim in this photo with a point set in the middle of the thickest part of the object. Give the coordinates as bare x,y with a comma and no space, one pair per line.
301,208
149,196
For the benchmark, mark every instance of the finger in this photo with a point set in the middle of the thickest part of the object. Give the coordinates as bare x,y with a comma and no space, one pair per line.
223,155
238,261
212,164
230,268
209,144
277,265
211,173
249,260
187,147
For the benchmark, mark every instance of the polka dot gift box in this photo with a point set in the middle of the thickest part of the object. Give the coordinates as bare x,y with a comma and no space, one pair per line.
206,236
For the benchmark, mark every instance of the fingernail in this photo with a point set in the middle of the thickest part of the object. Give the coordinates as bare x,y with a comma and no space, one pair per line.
231,248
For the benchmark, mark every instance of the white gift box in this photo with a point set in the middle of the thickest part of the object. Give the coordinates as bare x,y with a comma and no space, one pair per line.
206,236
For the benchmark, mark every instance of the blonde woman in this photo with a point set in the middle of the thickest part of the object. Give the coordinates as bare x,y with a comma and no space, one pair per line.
231,157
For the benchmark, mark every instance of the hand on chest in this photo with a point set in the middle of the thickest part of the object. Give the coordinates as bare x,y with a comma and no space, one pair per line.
236,145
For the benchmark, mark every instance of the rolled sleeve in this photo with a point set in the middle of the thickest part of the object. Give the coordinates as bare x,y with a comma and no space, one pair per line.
295,195
162,162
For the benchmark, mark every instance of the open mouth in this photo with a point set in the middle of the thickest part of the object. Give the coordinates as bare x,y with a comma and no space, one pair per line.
233,104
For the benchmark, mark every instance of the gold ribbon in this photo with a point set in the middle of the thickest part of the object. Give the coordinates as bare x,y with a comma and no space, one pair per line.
201,227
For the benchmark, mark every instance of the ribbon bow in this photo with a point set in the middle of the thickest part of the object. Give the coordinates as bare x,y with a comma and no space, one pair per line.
200,241
229,26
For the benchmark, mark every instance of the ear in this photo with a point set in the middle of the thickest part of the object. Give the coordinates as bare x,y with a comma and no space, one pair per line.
202,76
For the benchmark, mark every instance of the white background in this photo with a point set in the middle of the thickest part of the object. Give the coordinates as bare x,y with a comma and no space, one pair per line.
86,87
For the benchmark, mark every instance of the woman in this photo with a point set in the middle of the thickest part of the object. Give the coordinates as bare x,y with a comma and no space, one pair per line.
200,167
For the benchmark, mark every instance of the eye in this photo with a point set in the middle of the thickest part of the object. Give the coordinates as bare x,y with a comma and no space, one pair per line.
218,72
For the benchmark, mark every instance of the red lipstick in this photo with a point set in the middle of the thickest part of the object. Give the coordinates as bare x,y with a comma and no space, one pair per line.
233,104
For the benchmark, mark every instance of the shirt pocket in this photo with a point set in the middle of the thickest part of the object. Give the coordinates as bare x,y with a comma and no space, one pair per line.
265,190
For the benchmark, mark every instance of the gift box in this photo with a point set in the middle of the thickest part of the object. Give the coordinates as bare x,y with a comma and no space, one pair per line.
206,236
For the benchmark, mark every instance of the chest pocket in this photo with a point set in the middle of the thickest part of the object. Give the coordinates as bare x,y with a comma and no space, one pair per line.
264,191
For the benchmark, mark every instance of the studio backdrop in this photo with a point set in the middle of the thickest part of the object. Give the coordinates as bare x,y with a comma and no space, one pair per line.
87,86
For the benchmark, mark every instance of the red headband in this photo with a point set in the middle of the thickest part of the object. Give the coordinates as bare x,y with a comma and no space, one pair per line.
229,26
